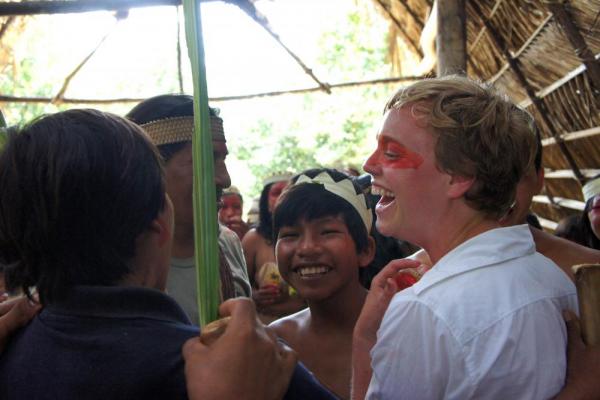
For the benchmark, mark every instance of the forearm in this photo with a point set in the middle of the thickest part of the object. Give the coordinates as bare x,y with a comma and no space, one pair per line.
361,367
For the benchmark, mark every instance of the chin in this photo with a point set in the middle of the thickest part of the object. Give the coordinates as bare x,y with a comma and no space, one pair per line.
386,229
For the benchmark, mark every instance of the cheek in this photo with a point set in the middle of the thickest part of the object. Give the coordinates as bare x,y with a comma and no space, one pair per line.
283,256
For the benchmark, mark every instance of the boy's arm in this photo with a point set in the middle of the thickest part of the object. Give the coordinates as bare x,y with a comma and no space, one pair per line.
383,289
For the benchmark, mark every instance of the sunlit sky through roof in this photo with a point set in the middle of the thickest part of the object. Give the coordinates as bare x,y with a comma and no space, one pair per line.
138,58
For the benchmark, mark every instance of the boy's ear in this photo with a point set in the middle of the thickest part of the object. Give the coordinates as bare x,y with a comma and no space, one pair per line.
366,256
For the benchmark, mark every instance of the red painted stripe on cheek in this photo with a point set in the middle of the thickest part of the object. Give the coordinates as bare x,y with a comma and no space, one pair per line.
400,157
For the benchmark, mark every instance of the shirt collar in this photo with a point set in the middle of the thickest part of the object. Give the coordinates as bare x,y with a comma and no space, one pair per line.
120,302
490,247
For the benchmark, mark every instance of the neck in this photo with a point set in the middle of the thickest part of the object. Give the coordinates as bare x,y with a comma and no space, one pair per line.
456,234
339,311
183,243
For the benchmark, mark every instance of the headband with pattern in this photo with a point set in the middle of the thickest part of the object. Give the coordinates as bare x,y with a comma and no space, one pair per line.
591,189
345,190
180,129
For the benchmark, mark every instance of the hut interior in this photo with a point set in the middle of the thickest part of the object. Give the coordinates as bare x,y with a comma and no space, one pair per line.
544,53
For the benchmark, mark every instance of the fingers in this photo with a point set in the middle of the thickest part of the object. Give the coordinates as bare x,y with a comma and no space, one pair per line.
21,311
391,270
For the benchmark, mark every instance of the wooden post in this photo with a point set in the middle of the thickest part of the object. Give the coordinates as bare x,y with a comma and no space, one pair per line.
587,280
451,37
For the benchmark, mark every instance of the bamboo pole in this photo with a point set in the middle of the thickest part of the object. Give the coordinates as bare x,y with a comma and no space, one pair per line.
205,207
587,280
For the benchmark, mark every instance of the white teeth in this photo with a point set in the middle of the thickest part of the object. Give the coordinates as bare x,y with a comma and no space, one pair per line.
378,191
305,271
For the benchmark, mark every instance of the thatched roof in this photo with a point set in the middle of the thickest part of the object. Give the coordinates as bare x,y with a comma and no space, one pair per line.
544,53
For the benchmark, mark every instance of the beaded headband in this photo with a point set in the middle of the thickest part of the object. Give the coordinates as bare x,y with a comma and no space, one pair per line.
345,190
180,129
591,189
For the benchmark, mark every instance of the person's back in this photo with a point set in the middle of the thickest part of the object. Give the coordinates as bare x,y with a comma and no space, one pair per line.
92,235
490,307
100,343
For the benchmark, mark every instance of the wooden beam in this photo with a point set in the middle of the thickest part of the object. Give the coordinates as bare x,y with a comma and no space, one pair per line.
179,56
537,102
248,8
400,27
5,26
451,38
412,13
568,174
556,85
17,99
79,6
524,47
546,223
573,136
578,42
561,202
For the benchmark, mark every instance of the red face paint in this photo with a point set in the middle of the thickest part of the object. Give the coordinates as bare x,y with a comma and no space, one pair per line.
392,154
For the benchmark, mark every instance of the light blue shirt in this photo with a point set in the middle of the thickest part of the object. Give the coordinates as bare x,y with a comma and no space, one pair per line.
484,323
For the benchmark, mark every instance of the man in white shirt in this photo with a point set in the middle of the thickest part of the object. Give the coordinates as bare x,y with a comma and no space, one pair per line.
485,322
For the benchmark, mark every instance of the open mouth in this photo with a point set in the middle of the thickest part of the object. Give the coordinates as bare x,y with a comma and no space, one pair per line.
312,271
386,196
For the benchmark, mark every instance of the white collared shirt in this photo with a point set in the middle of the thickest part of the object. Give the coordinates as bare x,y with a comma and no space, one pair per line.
484,323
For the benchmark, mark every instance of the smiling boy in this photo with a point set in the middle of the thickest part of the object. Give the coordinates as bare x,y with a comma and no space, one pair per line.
322,226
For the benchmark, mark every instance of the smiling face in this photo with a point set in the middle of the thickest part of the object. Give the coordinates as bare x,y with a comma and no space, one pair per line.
404,173
318,257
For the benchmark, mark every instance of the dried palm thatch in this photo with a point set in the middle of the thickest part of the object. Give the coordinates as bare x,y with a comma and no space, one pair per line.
527,51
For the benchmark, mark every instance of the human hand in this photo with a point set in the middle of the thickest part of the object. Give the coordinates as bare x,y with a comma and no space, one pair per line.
583,364
246,362
266,295
383,289
15,314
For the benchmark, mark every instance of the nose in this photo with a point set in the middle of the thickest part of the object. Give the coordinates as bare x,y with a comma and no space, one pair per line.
372,165
222,178
309,245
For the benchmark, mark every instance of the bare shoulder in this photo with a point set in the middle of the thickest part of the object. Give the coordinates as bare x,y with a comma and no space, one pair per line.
251,238
563,252
288,328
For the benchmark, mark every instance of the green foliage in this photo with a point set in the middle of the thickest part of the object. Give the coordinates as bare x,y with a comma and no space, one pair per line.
350,51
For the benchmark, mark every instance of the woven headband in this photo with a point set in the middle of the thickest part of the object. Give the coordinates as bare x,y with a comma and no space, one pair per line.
180,129
345,190
591,189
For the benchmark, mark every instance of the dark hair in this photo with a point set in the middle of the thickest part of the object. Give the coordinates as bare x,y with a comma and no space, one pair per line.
311,201
265,218
588,237
78,188
166,106
570,228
